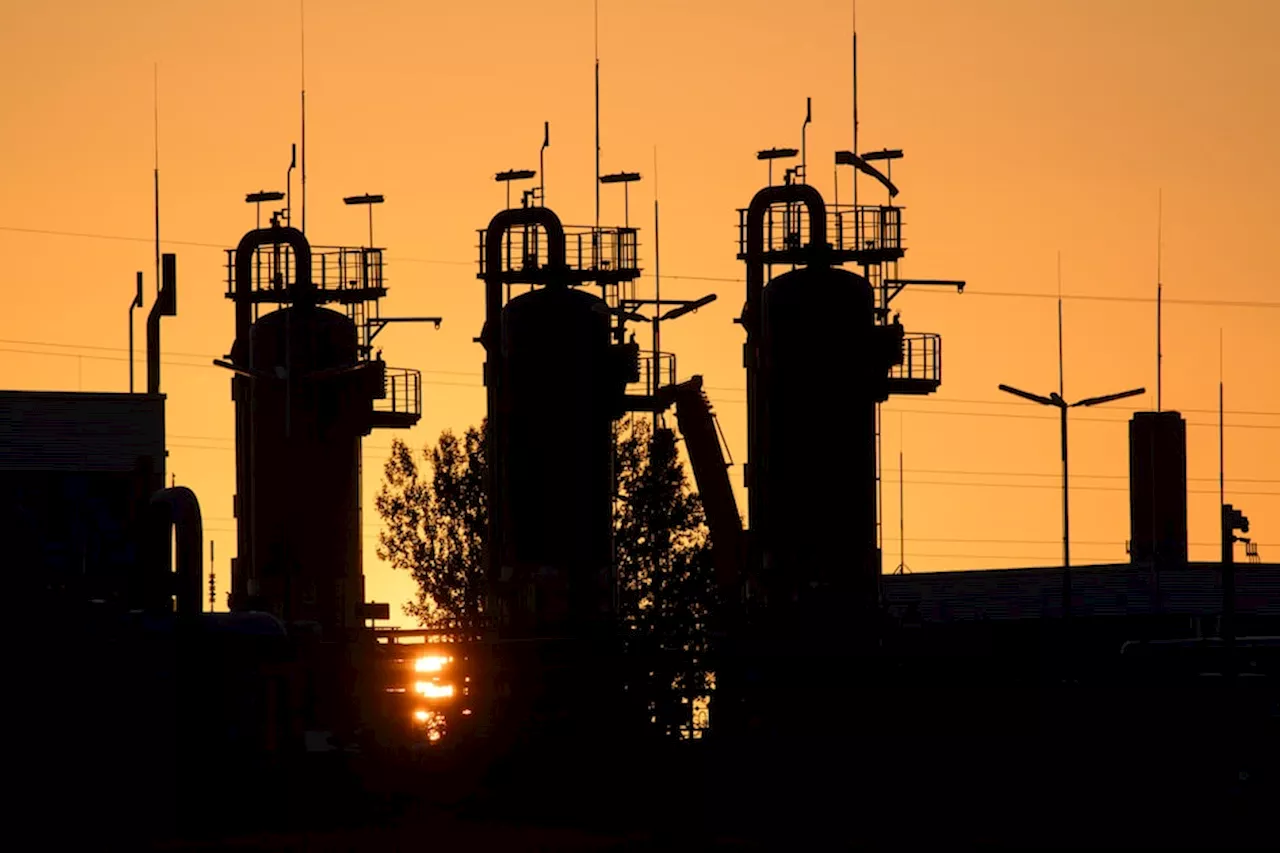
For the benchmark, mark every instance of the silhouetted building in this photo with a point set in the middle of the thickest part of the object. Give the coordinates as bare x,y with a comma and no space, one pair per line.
1181,602
77,471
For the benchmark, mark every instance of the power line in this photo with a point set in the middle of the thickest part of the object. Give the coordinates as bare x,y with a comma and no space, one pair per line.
1058,487
970,291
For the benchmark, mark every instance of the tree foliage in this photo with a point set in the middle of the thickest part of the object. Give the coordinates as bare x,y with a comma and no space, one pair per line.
664,573
434,528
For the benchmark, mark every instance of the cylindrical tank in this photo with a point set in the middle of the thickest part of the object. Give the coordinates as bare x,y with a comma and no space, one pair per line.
815,514
304,455
559,392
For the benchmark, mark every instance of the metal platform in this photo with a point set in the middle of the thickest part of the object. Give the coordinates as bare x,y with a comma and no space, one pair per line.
606,256
921,369
401,405
865,234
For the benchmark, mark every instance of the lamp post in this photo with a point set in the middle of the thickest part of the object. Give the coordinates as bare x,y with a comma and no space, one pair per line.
513,175
370,201
626,179
1056,400
771,154
258,198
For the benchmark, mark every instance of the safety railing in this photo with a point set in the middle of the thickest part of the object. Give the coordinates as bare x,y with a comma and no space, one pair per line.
591,254
921,358
403,389
862,233
654,376
340,273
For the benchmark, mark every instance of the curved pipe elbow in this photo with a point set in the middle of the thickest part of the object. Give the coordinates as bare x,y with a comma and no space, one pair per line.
176,511
501,223
249,243
760,204
511,218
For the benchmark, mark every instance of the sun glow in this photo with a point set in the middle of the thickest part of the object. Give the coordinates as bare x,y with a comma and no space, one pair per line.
434,691
431,663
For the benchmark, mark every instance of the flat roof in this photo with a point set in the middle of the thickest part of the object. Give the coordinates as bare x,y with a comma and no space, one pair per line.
1116,589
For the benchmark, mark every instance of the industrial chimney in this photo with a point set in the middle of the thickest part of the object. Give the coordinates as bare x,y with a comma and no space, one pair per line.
1158,488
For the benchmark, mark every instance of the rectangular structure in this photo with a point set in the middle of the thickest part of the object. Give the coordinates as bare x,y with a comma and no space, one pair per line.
76,472
1158,488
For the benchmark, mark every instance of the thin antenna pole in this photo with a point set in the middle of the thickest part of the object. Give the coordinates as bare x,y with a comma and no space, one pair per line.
804,156
657,292
1061,387
302,29
855,114
902,502
1159,301
597,30
155,103
1222,467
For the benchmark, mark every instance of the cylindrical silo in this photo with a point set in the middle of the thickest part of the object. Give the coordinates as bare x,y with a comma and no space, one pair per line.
559,393
306,420
820,377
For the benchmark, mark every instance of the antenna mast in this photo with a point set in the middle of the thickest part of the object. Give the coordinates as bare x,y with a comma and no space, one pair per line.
855,110
657,292
1159,300
1222,477
302,29
596,236
1061,387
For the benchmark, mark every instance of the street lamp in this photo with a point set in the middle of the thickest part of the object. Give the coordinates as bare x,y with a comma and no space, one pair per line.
678,308
258,198
771,154
369,200
626,179
1056,400
513,175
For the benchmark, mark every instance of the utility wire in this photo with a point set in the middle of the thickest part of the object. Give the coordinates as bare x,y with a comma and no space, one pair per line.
969,291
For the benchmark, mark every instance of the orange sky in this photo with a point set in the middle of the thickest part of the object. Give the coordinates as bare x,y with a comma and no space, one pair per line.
1028,127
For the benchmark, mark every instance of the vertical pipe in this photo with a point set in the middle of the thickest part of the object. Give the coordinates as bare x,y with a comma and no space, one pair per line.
136,303
156,165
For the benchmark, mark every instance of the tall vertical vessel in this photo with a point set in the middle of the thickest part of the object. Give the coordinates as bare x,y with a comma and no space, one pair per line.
822,352
307,389
556,382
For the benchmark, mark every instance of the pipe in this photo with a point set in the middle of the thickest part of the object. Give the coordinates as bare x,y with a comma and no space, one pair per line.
178,509
498,227
166,305
760,204
273,236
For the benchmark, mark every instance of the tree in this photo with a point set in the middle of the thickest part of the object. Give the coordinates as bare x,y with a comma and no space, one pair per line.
665,575
435,529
